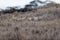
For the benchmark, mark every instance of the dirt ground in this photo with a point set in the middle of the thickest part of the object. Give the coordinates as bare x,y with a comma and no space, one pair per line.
40,24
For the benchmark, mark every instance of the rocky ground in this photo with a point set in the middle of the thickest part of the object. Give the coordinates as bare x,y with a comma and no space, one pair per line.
40,24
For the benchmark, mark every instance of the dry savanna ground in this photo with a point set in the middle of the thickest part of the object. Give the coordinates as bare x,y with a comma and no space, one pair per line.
40,24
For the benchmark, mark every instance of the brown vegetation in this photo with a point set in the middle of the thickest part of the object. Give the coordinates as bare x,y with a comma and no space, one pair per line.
40,24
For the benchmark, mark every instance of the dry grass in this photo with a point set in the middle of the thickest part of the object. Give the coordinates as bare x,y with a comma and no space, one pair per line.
43,24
